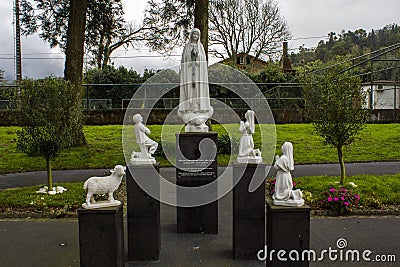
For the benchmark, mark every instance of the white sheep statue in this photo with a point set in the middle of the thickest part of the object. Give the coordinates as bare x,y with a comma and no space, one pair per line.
103,185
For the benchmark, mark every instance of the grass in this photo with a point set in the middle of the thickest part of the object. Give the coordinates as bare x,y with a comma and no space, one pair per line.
24,200
26,197
378,142
375,191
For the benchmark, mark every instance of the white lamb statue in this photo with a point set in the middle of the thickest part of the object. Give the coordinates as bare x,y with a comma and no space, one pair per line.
103,185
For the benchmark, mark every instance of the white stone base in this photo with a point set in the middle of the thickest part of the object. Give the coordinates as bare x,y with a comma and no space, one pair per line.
249,159
288,203
101,204
142,161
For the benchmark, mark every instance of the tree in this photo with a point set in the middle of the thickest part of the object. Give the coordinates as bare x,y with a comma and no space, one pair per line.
335,105
167,22
108,77
201,11
236,26
247,26
73,70
106,29
1,75
45,114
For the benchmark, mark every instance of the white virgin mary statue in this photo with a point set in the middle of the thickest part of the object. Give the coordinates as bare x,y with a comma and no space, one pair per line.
194,97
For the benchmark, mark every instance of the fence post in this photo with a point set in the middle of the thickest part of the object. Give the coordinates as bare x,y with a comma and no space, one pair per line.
87,97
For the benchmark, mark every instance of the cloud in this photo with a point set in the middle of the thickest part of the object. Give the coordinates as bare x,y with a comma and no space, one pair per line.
32,48
306,18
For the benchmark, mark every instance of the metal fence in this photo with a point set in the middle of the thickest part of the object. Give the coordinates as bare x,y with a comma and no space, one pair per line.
118,96
279,96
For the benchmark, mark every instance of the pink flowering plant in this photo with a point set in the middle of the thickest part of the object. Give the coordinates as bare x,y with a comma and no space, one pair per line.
340,200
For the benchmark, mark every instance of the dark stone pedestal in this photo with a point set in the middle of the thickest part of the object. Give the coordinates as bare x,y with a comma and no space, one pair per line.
196,163
248,211
101,237
144,232
288,228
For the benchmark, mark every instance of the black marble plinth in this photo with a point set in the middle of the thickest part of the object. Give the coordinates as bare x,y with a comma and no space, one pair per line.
101,236
196,165
248,211
144,231
288,228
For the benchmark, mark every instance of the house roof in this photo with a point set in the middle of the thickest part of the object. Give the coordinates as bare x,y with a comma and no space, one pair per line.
244,54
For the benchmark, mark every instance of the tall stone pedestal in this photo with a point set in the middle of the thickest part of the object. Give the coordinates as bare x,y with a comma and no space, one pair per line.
101,237
196,166
248,211
288,228
144,231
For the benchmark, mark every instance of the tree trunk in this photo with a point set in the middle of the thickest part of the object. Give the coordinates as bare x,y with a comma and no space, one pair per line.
201,21
73,71
106,57
342,167
49,174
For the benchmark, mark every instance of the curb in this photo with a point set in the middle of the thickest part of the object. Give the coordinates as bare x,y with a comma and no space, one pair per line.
355,213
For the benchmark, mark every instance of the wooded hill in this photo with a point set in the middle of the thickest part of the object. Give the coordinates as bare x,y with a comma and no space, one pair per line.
348,43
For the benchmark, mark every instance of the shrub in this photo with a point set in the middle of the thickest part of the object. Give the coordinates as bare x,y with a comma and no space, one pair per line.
341,200
46,113
228,145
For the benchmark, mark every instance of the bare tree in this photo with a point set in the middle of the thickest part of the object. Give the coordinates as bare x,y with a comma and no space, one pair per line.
129,35
246,26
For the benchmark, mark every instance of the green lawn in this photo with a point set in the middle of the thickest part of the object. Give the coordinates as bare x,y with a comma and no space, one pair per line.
375,192
378,142
25,200
26,197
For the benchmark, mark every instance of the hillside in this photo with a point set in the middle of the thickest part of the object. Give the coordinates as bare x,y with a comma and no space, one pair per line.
348,43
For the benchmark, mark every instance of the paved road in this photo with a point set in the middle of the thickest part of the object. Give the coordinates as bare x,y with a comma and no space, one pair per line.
37,178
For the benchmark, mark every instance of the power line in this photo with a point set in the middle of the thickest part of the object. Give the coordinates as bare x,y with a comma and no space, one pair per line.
308,38
115,57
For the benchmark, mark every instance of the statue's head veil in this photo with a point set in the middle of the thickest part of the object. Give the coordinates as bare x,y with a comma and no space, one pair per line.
195,30
250,119
287,150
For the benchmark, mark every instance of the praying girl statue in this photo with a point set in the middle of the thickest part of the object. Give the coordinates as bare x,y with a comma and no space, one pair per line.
194,98
247,153
284,194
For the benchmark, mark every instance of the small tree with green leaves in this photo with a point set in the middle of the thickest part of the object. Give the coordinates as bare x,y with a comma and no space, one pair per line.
335,105
46,118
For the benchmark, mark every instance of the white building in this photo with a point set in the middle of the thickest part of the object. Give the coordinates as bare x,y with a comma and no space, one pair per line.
385,94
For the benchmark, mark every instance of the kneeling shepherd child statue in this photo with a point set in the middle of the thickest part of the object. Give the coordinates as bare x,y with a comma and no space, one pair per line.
284,194
147,146
247,153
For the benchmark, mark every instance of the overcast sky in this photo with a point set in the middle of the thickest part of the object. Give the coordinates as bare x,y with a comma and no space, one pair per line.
306,19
